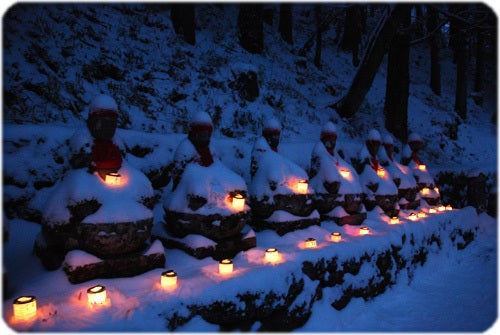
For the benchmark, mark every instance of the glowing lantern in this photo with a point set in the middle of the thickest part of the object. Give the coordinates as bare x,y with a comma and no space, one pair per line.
239,202
421,214
345,173
436,189
449,208
432,210
272,255
113,179
422,167
225,266
310,243
381,172
441,208
413,217
364,231
394,220
168,279
24,308
302,186
426,191
336,237
96,295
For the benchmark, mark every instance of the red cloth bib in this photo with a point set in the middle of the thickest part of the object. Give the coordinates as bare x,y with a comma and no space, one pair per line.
206,158
106,155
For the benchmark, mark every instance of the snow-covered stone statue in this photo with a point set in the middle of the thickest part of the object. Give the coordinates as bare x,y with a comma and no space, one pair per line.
280,196
338,193
102,206
376,181
206,213
408,191
428,190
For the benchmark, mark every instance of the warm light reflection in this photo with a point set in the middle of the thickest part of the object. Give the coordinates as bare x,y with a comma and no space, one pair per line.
422,167
432,210
336,236
225,266
441,208
346,174
413,217
426,191
449,208
302,186
364,231
96,295
394,220
421,214
239,202
436,189
310,243
272,255
381,172
24,308
113,179
168,279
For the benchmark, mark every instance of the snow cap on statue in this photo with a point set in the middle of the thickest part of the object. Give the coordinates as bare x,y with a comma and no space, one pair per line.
388,140
374,135
271,126
103,105
201,121
329,131
414,137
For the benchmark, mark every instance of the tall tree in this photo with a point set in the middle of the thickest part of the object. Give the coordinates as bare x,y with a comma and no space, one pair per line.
398,79
317,54
461,56
286,23
376,49
251,27
183,20
353,29
435,33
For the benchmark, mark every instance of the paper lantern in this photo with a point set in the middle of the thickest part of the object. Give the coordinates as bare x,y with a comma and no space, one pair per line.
421,215
96,295
449,208
225,266
272,255
432,210
336,237
364,231
302,186
238,202
426,191
310,243
413,216
24,308
168,279
345,173
113,179
422,167
394,220
381,172
441,208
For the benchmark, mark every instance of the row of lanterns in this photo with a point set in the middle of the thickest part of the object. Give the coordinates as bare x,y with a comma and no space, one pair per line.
25,307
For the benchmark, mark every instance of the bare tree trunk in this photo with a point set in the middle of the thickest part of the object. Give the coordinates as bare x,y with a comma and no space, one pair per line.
377,47
461,84
352,32
286,23
182,16
478,78
432,27
251,27
317,54
398,81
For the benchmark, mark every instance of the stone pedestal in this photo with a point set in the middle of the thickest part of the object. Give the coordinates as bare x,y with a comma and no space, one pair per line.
129,265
